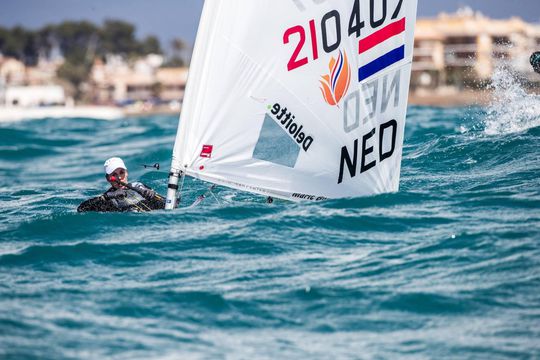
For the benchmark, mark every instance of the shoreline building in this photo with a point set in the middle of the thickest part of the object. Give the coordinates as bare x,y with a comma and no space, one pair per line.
464,49
114,81
30,86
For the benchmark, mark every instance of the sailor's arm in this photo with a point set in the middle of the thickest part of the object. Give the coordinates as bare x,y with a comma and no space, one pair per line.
156,201
144,190
147,192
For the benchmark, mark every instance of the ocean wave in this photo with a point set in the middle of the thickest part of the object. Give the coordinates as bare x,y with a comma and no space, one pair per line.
447,265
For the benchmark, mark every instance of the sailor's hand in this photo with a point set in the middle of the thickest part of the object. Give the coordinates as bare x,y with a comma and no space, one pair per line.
120,193
144,191
147,193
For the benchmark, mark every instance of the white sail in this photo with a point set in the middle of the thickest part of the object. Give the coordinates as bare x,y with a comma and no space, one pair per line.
298,99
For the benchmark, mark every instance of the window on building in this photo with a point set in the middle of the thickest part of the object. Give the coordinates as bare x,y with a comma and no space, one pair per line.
460,40
422,58
501,40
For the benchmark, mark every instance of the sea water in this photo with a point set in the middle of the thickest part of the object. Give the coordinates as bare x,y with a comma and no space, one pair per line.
448,267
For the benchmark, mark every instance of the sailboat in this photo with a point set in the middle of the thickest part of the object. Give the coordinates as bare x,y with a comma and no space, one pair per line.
297,99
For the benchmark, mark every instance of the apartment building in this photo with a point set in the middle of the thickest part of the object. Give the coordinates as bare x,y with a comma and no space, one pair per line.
116,81
466,47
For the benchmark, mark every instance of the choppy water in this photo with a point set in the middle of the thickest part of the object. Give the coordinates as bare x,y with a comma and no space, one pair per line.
449,267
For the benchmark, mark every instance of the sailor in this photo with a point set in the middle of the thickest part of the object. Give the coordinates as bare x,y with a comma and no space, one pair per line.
123,196
535,61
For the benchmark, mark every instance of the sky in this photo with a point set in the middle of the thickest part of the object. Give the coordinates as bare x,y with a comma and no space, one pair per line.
168,19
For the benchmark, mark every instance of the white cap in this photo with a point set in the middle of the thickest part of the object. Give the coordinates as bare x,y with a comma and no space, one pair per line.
113,164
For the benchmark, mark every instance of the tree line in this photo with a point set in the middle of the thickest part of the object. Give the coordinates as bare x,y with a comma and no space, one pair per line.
80,42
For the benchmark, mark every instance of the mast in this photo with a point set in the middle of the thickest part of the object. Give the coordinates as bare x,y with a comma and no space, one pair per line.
175,176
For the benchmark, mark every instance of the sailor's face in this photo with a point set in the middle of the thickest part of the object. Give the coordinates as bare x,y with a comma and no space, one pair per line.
118,174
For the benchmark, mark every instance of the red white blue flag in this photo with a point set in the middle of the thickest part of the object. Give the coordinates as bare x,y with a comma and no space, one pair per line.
390,40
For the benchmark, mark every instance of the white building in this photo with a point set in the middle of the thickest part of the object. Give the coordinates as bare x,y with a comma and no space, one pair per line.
32,96
116,81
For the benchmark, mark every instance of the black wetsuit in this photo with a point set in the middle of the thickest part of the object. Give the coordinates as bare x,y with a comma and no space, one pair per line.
139,199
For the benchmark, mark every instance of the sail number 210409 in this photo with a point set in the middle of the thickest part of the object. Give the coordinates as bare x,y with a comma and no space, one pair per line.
378,12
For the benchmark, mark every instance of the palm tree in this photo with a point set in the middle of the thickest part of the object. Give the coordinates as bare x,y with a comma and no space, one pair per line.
179,46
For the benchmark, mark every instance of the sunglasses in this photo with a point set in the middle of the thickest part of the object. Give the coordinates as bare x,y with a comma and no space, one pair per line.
119,173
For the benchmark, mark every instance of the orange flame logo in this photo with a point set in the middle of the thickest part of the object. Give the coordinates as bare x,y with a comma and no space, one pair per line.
335,85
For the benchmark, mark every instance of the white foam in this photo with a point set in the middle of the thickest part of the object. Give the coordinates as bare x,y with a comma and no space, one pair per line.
12,114
512,109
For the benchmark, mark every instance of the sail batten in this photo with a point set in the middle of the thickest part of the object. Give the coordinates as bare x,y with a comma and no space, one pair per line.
298,102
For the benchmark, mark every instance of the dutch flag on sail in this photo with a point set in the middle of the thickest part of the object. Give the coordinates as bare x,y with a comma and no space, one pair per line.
389,40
